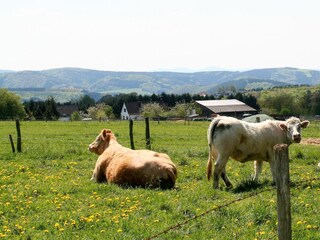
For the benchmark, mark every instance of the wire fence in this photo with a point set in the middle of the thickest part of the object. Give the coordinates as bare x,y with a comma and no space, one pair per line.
216,208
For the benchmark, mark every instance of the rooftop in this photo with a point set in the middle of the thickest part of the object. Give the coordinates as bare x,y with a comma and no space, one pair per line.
228,105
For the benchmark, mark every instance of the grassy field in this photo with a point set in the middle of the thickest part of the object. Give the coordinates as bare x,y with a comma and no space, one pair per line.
46,192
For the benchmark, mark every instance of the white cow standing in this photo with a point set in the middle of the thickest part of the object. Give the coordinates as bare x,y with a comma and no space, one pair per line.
244,141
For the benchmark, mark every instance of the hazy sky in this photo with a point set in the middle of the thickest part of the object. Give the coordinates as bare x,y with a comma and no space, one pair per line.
148,35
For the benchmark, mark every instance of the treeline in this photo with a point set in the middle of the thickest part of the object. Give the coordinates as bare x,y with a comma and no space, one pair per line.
170,100
272,102
108,106
287,104
42,110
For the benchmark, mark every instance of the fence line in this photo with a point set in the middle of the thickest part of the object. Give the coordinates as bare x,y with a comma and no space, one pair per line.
178,225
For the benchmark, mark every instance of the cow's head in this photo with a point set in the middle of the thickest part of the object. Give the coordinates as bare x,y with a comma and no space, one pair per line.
293,128
102,141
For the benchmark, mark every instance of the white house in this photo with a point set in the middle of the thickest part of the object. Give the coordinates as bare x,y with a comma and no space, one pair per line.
131,110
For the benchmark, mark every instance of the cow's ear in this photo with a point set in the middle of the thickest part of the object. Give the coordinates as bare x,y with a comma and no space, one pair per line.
305,124
104,134
283,126
108,131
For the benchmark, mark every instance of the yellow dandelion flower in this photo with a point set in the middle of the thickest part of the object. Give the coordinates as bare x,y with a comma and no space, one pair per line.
119,231
250,224
299,222
309,226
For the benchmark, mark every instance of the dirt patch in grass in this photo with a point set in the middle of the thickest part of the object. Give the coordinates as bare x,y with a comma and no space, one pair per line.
312,141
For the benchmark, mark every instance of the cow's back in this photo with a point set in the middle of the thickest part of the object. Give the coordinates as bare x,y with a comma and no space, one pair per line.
142,168
245,141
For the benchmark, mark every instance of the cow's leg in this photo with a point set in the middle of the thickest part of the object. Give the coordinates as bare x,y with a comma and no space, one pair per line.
98,175
94,174
209,163
219,165
273,170
257,169
225,178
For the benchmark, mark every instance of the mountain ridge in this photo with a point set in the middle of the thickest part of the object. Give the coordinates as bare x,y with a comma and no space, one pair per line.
113,82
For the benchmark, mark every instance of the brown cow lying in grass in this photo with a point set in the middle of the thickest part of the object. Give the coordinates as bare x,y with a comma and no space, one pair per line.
126,167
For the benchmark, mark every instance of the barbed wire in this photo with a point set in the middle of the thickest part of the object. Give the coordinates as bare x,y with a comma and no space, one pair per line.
178,225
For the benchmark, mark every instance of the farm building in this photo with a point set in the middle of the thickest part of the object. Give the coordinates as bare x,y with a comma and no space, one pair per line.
228,107
65,111
131,110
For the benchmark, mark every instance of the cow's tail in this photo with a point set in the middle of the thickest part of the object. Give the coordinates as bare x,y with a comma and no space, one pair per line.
211,130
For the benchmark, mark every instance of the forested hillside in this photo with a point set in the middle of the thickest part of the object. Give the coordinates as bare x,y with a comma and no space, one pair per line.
72,82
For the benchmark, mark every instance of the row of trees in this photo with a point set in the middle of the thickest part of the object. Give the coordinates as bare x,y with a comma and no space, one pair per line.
169,100
42,110
287,104
170,105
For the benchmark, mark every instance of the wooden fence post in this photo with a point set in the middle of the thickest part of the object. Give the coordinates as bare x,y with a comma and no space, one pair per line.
18,135
131,133
148,143
283,191
12,144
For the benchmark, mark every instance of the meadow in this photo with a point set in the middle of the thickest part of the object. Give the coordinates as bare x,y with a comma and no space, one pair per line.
46,192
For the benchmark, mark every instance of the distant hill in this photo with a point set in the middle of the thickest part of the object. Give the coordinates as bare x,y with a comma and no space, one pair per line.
102,82
5,71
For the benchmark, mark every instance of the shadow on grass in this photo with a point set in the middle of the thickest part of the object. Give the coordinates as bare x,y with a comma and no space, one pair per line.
249,185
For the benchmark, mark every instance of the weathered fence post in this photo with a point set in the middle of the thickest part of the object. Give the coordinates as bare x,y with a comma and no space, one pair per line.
12,144
148,143
131,133
18,135
283,191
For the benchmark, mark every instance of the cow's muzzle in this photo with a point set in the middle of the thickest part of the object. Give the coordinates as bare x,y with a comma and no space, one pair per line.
296,138
91,148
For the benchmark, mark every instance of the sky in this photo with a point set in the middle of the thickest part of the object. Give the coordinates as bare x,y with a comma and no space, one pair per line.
153,35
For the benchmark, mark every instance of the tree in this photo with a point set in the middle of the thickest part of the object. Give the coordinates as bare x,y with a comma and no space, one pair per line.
305,102
10,105
181,110
85,102
75,116
280,104
51,111
100,112
152,110
315,103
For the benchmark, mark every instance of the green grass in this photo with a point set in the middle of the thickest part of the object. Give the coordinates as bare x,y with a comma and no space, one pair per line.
45,191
